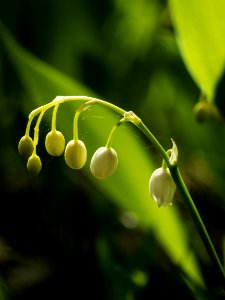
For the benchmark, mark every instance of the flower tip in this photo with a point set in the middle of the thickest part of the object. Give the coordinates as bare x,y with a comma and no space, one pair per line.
174,154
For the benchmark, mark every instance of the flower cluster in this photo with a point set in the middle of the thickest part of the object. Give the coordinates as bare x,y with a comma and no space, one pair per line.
104,161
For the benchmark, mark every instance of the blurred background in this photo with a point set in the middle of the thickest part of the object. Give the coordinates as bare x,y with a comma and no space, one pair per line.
63,233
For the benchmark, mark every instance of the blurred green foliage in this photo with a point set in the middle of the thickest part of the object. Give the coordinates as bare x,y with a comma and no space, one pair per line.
64,233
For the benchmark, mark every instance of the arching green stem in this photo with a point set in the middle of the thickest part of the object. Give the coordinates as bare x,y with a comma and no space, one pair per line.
164,164
36,129
198,222
170,162
75,125
189,203
155,142
27,133
110,138
54,117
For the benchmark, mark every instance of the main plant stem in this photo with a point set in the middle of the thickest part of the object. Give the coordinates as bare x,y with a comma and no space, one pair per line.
198,222
130,116
182,188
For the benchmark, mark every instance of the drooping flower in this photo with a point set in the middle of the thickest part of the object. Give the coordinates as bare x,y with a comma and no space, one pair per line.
34,164
75,154
104,162
55,143
25,146
162,187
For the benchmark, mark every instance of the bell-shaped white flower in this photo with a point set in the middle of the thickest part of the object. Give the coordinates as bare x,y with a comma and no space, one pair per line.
104,162
162,187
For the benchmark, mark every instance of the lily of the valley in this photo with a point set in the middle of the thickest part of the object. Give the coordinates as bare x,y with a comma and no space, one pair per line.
104,162
162,187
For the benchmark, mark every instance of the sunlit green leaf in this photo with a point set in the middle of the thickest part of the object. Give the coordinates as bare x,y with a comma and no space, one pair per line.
200,30
128,187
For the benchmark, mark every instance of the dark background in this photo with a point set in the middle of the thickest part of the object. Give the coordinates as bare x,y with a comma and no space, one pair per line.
60,236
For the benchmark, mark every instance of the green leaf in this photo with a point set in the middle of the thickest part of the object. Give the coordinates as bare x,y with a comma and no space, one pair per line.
200,29
128,187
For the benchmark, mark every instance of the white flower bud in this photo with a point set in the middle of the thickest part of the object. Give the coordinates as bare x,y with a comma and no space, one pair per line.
162,187
104,162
